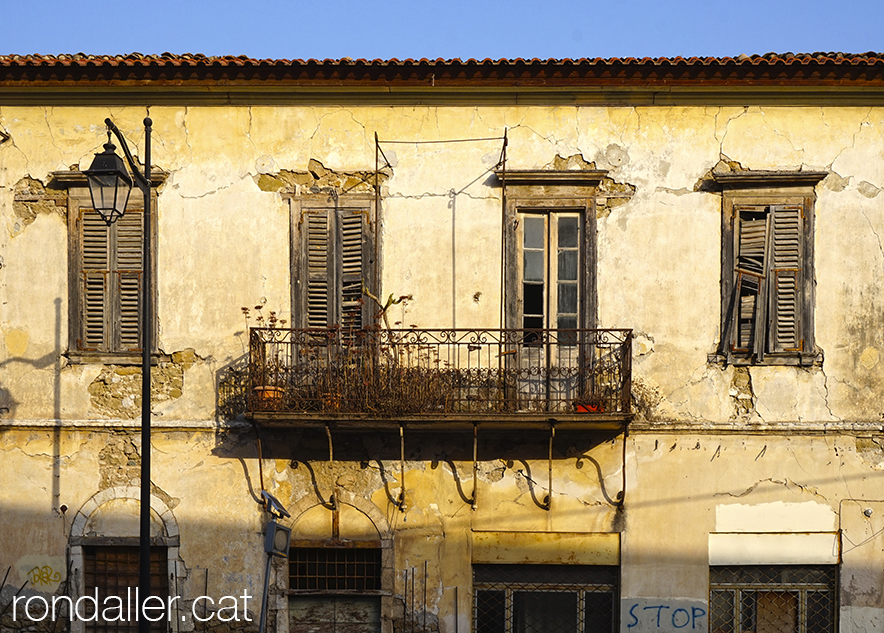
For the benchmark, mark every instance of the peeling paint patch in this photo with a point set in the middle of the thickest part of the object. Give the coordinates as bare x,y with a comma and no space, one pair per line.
31,199
867,189
116,391
610,193
742,394
645,398
835,182
16,342
119,463
316,178
871,451
869,358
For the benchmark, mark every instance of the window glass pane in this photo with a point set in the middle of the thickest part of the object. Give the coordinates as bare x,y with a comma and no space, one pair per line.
566,323
533,298
534,266
490,611
722,609
819,612
776,612
568,265
544,612
599,611
568,232
532,323
534,231
568,298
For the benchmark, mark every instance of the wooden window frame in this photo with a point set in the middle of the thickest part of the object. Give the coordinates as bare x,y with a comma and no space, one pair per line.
303,205
79,201
767,192
551,192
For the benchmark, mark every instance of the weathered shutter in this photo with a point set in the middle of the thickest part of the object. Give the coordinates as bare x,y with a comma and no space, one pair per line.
352,269
94,279
129,270
785,278
317,232
750,264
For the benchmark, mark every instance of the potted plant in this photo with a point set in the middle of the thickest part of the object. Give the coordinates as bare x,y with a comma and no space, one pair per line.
269,389
590,403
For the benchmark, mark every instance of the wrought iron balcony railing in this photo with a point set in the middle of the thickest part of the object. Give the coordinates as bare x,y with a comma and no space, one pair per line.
422,372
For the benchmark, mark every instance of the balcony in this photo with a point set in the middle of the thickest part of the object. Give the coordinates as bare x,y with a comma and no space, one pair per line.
455,377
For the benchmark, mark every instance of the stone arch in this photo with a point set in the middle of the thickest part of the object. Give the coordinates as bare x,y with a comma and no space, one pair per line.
358,502
92,507
106,519
372,514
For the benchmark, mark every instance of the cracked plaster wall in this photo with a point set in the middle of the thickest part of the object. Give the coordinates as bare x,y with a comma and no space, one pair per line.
440,233
680,490
224,243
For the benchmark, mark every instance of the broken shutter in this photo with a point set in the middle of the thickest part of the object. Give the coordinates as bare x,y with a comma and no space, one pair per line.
785,269
767,261
111,273
749,280
335,267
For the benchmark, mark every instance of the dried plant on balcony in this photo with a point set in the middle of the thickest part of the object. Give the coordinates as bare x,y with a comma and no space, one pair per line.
394,373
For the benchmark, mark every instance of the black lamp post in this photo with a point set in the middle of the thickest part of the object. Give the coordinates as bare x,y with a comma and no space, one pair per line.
109,186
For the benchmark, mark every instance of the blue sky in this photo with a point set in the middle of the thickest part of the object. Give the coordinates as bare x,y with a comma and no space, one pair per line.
453,28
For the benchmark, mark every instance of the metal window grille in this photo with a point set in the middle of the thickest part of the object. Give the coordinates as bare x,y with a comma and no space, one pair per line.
113,570
772,599
544,599
325,569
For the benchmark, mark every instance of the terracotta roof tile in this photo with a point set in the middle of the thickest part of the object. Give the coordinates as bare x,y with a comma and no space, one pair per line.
809,69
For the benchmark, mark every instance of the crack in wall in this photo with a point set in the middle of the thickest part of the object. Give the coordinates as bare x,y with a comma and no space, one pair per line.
874,232
786,482
826,396
727,127
853,136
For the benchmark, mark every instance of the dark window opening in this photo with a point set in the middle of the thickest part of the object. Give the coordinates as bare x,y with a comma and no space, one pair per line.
334,590
544,598
113,570
772,599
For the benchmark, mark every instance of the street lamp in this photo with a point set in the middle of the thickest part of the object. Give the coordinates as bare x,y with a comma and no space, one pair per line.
109,186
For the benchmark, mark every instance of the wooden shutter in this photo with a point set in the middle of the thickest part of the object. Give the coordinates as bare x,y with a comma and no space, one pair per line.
351,258
785,278
129,270
111,273
319,273
94,282
750,265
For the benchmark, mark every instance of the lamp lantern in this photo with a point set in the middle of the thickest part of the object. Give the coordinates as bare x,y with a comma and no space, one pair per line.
109,184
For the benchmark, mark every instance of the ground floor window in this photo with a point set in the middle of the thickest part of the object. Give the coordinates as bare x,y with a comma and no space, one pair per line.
334,590
772,599
113,570
544,598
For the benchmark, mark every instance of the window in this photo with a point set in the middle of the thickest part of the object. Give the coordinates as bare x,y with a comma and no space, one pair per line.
334,259
334,590
767,268
114,571
551,259
544,598
106,276
550,249
772,599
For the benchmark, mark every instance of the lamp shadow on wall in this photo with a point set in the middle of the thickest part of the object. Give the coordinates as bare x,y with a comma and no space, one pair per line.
8,403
